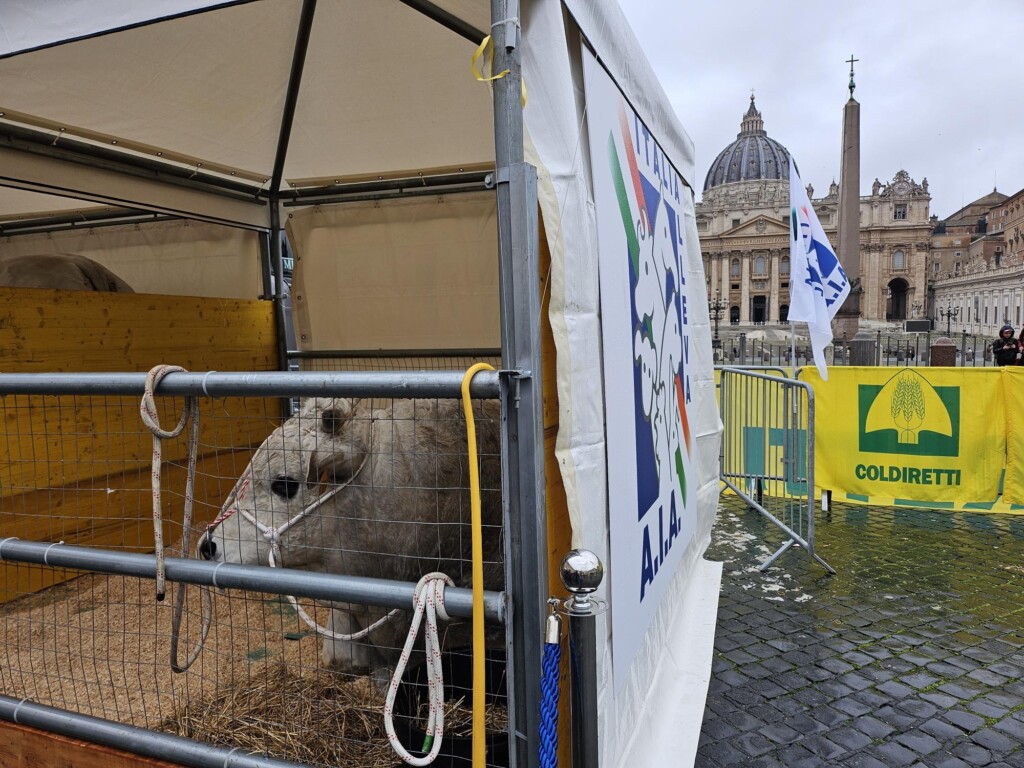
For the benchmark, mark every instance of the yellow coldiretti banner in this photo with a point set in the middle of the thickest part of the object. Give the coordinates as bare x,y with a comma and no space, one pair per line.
1013,396
933,437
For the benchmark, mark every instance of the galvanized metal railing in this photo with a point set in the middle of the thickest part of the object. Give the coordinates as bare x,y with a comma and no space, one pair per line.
768,451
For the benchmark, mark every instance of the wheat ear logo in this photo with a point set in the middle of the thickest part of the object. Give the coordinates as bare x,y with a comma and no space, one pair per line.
908,409
908,415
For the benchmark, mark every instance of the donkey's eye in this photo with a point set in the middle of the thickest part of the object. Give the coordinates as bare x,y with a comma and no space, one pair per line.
331,421
285,487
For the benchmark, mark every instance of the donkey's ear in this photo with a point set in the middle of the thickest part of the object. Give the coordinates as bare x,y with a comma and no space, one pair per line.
336,413
331,420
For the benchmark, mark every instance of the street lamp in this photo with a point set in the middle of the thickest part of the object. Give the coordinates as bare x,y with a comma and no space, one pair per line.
716,308
949,314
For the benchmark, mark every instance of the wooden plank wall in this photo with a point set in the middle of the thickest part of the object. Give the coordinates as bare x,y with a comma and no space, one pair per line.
77,469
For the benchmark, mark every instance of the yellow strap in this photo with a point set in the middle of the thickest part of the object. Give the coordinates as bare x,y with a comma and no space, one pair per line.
482,49
479,648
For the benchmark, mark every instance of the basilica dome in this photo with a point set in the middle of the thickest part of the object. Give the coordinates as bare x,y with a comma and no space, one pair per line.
752,156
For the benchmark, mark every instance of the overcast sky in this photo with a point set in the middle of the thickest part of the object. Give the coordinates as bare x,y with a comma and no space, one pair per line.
940,84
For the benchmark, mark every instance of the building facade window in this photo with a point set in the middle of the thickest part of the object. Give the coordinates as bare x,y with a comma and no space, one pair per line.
899,212
899,260
734,268
759,266
784,265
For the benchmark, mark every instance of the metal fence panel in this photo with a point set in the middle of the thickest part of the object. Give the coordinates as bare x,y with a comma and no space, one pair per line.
768,451
76,468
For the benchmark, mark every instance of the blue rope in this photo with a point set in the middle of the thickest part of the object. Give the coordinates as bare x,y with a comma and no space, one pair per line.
549,705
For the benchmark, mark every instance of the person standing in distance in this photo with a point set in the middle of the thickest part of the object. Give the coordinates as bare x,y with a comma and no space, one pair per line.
1006,348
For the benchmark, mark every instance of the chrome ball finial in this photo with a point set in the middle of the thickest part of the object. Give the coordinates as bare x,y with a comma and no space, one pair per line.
581,573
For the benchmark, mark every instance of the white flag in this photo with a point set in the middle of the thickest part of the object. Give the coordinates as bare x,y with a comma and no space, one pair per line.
818,285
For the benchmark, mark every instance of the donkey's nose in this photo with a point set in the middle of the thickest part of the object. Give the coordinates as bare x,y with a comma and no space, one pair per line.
207,548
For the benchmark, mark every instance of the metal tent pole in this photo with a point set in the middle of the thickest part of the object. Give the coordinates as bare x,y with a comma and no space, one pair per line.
526,564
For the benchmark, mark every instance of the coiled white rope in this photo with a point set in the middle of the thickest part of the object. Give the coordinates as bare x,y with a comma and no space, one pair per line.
151,418
429,600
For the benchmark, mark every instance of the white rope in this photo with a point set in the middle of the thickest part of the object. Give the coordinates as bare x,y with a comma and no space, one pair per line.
4,541
46,552
274,559
151,418
429,600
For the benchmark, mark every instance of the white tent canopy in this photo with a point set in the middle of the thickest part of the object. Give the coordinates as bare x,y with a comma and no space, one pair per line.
236,113
206,93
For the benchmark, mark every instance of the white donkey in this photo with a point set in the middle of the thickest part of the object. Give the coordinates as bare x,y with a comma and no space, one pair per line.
349,489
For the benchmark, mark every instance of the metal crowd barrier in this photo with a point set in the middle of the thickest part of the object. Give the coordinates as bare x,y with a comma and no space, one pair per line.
891,349
768,451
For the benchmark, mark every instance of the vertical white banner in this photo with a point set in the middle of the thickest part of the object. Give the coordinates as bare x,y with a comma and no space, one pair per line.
646,333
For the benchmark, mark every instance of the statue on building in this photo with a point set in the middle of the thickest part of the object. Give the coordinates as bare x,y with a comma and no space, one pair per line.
876,187
833,189
810,191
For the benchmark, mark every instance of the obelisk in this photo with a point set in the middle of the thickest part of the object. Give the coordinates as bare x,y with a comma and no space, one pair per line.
847,321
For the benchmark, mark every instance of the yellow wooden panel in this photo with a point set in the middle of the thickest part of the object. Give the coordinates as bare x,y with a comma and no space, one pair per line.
113,512
559,529
55,331
56,441
51,442
547,339
77,469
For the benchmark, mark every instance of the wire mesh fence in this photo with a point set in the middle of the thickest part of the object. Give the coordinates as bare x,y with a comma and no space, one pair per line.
375,488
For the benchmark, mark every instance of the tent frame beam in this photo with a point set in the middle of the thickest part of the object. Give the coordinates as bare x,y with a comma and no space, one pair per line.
405,185
392,195
50,174
79,220
65,148
447,20
292,95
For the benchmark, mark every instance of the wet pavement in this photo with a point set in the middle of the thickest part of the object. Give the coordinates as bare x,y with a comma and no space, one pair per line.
912,655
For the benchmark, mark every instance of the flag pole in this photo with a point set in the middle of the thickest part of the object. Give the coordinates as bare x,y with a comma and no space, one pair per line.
792,348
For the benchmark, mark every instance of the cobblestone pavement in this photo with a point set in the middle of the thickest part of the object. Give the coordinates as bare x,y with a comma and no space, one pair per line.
911,656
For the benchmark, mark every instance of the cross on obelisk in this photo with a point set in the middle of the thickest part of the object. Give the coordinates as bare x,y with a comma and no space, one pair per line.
851,62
